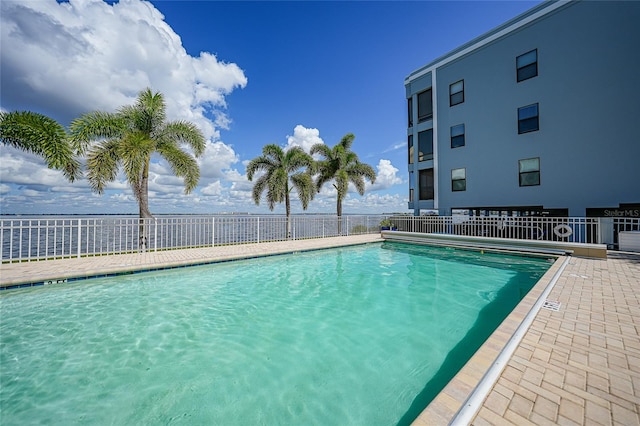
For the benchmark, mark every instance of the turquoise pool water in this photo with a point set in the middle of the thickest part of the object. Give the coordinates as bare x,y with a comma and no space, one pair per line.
358,335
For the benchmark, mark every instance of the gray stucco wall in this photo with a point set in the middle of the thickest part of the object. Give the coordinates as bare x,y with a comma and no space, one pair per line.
588,93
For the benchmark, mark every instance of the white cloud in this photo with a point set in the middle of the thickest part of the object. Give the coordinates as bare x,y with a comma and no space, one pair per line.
304,138
396,147
217,158
214,188
386,176
85,55
65,59
22,168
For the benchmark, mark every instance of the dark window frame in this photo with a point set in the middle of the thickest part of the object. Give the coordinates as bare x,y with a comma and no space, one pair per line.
527,123
411,187
425,155
410,111
529,69
459,140
410,148
428,114
456,98
524,177
426,192
459,184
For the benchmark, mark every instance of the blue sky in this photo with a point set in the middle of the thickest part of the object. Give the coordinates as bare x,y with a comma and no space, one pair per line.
248,73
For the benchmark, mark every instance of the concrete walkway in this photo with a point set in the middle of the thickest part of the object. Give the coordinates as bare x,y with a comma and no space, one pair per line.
579,365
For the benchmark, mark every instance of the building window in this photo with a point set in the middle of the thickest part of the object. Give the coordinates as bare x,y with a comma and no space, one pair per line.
425,106
426,184
425,145
459,179
457,136
527,65
456,93
412,185
410,111
529,171
528,119
410,142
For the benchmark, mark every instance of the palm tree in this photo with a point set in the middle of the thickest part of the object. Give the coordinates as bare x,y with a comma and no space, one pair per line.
41,135
128,138
281,166
341,165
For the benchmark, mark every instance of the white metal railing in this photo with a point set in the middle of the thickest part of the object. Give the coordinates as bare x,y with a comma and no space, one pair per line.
568,229
25,239
38,238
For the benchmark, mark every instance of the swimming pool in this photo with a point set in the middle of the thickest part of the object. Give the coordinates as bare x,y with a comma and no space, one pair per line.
357,335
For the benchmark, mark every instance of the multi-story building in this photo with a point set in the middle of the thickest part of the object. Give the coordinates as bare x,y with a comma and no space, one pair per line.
535,117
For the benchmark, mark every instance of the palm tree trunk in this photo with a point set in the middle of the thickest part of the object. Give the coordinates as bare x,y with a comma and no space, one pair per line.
339,215
143,203
287,204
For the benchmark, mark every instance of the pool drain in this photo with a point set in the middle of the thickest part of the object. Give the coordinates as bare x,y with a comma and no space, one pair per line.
552,305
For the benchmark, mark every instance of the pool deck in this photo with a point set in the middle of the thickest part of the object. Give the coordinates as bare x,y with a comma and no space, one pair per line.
579,365
92,266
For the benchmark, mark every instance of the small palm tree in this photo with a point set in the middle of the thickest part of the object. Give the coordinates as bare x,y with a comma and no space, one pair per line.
280,167
128,138
41,135
341,165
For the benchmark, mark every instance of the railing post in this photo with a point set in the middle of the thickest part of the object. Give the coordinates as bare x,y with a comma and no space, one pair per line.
79,236
258,229
155,234
213,231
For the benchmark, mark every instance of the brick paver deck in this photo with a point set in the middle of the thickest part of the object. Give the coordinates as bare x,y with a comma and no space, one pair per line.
579,365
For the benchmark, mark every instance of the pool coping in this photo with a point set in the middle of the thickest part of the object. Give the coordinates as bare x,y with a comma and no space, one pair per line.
487,364
542,246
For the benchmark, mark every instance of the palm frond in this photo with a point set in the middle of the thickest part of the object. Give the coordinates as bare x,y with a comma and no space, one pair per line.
41,135
303,183
296,158
102,164
182,164
259,187
186,133
347,141
259,163
149,112
134,151
95,126
341,165
321,149
274,151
